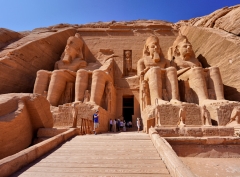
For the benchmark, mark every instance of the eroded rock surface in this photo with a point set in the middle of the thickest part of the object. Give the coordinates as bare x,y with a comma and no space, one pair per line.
227,19
21,115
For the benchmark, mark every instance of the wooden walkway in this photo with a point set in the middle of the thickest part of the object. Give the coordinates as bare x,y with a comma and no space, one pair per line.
112,154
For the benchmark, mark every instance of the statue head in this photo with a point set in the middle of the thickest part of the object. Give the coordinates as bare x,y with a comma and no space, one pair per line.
73,49
152,48
183,48
127,53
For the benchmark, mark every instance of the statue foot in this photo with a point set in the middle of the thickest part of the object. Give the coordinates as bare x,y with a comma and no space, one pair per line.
175,101
159,101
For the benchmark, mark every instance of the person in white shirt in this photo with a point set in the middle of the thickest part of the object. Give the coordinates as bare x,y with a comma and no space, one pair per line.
110,125
138,124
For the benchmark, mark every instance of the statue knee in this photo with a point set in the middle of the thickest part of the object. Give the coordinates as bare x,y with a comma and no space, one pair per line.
57,73
82,72
171,69
42,73
99,74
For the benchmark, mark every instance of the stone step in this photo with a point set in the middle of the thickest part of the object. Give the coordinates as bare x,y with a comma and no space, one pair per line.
112,154
60,174
102,164
98,170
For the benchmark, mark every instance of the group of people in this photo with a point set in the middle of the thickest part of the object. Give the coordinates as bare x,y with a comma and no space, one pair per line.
116,125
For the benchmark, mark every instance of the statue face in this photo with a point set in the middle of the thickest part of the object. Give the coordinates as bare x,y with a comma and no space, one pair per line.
127,54
154,50
70,50
185,50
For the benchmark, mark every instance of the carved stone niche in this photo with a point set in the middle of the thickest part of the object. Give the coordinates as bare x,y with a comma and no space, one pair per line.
127,62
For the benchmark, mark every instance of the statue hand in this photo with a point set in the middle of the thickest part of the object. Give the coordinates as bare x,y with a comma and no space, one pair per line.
70,72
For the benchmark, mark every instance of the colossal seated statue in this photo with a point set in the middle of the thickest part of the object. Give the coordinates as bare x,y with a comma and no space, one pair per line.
197,83
72,68
156,71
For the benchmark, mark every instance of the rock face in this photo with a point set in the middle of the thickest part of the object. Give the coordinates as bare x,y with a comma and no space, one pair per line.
227,19
21,115
8,36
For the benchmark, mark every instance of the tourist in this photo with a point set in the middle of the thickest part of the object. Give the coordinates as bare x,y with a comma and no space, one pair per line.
95,122
121,125
124,125
138,124
114,125
130,124
110,125
118,125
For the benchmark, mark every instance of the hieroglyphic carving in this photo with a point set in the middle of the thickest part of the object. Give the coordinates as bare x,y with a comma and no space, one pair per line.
63,117
84,112
193,116
166,114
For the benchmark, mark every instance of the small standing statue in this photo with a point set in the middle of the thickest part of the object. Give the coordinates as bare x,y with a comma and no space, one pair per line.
74,114
128,62
235,115
182,116
205,115
86,96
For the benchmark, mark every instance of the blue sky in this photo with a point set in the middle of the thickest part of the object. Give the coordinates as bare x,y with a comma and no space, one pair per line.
21,15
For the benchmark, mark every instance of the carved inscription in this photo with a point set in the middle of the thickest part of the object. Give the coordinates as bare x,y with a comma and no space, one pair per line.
63,118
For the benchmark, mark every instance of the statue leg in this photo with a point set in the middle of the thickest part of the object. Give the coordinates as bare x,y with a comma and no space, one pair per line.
172,82
57,85
99,79
215,76
81,84
155,83
198,83
42,82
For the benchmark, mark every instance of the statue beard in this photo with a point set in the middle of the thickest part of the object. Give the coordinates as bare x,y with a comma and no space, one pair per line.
156,57
67,59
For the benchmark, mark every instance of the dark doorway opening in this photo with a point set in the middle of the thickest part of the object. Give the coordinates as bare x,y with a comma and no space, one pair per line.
128,108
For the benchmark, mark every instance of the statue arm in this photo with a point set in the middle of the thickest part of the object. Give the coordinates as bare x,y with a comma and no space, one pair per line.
82,64
181,71
70,72
140,66
141,69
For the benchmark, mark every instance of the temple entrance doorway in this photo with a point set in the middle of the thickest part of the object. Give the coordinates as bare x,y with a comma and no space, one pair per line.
128,107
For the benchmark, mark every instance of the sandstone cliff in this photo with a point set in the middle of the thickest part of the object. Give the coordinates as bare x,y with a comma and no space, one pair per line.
216,42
